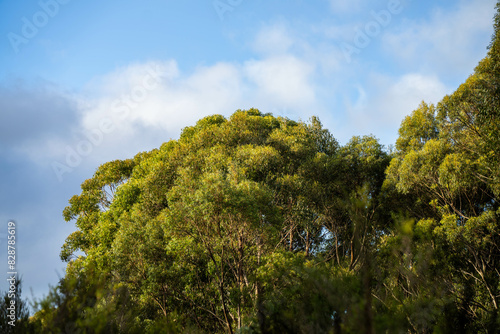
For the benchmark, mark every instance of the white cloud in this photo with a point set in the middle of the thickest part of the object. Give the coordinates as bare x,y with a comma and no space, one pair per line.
139,107
280,39
122,79
404,95
176,103
447,43
381,110
273,39
284,80
220,88
178,99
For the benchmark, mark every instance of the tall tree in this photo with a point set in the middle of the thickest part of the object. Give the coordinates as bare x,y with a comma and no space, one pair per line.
447,162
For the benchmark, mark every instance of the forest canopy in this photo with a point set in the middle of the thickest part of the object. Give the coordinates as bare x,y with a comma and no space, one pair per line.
262,224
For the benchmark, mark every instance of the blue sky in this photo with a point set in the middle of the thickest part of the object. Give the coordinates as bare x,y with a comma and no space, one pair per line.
85,82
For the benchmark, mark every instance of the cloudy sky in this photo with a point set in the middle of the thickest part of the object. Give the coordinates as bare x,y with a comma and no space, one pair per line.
85,82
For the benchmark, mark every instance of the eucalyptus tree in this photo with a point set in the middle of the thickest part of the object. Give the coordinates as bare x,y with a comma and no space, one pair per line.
447,165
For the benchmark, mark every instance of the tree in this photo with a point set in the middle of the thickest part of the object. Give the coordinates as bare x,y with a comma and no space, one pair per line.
14,311
446,164
184,233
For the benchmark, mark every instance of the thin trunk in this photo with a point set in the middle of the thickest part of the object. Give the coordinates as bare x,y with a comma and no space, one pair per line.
368,317
351,264
337,248
224,308
307,243
220,276
240,276
367,287
337,324
223,295
258,292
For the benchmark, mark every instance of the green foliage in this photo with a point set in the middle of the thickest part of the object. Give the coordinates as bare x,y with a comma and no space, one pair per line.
447,166
188,232
14,312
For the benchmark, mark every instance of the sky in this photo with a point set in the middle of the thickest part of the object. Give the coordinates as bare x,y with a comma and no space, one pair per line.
86,82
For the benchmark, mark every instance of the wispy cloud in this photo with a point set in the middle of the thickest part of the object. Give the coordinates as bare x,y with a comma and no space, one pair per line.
379,105
284,80
403,95
142,105
273,39
446,42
